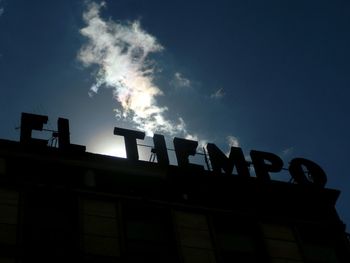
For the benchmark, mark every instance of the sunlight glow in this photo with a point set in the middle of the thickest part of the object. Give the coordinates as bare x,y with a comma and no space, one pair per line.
112,150
107,144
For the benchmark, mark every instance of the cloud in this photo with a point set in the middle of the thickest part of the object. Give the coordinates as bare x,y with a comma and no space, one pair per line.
232,141
218,94
288,151
2,9
180,81
121,52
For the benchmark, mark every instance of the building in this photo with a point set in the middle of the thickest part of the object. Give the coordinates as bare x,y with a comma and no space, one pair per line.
62,204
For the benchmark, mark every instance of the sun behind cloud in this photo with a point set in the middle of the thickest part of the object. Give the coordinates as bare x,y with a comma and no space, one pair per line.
121,51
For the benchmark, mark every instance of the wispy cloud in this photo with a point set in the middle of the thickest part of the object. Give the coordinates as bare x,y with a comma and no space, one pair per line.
121,52
288,151
1,12
232,141
2,9
218,94
180,81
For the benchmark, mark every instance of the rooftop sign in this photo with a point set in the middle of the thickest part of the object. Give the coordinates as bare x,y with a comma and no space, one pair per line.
302,171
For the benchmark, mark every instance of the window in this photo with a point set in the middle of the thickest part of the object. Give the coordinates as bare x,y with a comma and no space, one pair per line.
148,233
100,229
318,244
281,244
236,239
7,260
48,225
9,201
2,166
317,253
194,237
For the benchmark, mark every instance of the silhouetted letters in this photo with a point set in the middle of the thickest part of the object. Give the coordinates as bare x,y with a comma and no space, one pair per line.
220,161
130,137
303,171
63,133
315,172
183,149
64,137
30,122
261,167
160,149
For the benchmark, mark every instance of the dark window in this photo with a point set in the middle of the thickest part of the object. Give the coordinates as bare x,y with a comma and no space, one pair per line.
318,244
236,239
194,237
148,234
100,235
281,243
2,166
7,260
9,200
9,210
49,226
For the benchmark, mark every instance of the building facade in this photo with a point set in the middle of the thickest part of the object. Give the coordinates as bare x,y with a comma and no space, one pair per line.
61,204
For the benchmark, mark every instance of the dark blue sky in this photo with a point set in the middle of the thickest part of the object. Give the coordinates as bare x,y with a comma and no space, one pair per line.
279,69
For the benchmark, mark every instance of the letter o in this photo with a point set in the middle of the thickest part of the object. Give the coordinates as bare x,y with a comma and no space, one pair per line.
317,175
